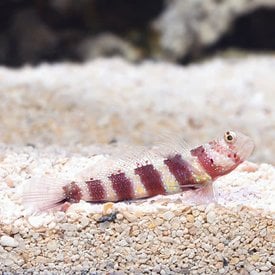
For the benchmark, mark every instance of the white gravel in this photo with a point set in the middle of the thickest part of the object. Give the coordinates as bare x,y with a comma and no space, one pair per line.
50,116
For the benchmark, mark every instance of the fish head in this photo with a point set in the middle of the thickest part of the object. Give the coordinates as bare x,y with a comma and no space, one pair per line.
220,156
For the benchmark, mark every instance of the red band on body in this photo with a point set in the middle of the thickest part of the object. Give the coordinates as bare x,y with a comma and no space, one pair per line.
206,162
96,190
122,186
151,179
180,169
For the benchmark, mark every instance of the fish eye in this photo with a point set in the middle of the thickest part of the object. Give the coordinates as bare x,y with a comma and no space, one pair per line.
229,136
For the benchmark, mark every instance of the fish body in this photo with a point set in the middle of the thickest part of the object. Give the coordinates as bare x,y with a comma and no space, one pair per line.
165,176
150,174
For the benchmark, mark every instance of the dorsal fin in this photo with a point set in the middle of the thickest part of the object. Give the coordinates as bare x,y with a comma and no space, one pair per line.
170,143
135,156
130,157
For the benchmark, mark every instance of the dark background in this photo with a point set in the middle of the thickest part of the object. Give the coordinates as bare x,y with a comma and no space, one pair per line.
37,31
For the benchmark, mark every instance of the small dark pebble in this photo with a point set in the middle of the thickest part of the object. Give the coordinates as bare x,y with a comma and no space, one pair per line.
252,251
113,140
225,262
107,218
31,145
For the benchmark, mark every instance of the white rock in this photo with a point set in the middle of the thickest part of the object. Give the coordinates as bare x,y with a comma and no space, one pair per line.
211,217
122,243
263,232
209,207
8,262
168,215
36,221
8,241
84,221
52,245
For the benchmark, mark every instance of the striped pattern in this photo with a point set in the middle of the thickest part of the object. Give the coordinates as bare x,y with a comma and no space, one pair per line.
122,186
151,179
208,163
72,192
180,169
96,190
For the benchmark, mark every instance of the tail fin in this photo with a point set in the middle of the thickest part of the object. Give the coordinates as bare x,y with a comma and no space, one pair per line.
43,193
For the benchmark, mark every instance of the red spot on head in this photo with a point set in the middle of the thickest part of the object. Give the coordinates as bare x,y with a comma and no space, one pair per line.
234,157
213,169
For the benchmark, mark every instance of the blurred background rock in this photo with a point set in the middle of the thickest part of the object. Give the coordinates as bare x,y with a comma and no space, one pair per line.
173,30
